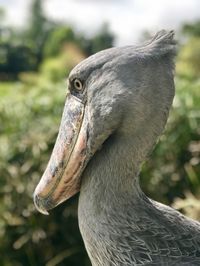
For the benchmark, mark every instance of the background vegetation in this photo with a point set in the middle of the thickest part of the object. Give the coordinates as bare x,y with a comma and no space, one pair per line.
33,66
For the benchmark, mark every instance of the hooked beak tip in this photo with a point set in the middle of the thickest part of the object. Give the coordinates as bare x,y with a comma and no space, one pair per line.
38,205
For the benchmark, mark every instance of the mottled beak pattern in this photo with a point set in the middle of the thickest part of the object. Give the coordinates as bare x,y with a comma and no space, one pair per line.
61,179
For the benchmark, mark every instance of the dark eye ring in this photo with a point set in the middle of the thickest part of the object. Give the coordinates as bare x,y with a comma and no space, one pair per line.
78,84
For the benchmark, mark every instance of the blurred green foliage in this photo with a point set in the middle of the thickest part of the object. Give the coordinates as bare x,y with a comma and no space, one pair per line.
30,115
58,67
192,29
38,29
57,39
29,123
174,167
101,40
189,63
30,112
43,39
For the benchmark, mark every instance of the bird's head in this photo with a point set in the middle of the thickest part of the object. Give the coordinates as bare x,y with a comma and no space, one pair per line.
116,91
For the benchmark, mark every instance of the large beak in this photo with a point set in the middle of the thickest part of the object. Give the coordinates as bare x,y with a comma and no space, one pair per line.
61,179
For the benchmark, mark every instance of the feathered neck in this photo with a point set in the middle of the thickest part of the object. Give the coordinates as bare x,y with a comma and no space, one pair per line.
111,197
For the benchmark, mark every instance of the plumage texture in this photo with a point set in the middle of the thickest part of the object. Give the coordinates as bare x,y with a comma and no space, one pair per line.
129,94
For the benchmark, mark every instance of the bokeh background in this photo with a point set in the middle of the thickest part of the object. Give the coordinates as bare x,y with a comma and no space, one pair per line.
40,42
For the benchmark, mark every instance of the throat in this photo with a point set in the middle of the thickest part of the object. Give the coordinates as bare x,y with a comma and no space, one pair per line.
110,196
108,181
111,179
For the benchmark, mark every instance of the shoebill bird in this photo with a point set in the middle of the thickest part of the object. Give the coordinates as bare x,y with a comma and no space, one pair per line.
116,108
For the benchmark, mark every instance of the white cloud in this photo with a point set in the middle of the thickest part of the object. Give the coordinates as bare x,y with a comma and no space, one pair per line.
127,18
16,11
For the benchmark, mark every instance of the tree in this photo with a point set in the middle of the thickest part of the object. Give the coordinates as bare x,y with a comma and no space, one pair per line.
192,29
38,29
189,56
56,40
2,16
102,40
15,56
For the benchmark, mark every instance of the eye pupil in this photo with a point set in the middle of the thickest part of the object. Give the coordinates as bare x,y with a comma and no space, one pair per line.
77,84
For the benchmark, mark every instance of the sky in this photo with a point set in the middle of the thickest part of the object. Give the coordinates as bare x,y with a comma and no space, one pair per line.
127,18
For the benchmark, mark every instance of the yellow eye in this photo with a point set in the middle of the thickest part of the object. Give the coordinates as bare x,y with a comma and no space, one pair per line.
78,85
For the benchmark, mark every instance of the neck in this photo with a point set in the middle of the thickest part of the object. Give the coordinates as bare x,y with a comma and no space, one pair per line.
111,177
107,178
110,191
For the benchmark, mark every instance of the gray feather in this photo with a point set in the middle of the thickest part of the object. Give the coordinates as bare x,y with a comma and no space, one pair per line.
129,93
